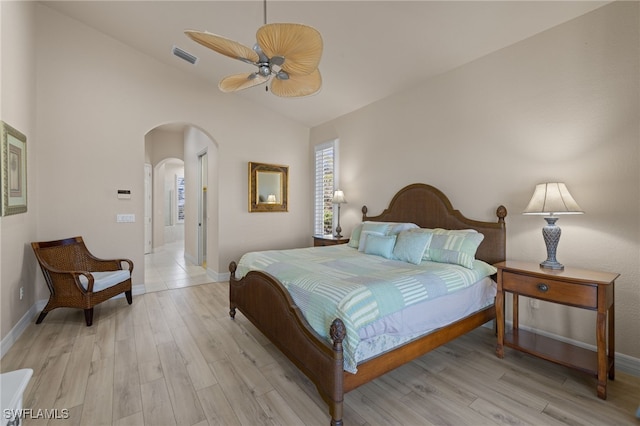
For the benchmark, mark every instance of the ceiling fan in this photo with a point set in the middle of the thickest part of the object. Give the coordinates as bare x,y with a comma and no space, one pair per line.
290,53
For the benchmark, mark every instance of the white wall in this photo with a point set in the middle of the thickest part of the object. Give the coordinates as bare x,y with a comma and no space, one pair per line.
560,106
17,108
161,144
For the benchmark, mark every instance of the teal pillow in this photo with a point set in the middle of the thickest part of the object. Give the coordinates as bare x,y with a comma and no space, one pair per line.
410,246
454,246
354,240
356,236
380,245
364,236
430,232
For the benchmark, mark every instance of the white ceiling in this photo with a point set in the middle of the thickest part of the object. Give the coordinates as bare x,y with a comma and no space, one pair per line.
371,48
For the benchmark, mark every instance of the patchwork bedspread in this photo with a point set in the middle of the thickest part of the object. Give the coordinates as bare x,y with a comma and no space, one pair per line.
340,282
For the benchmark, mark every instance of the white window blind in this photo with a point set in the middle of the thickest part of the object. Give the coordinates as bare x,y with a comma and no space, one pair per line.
325,184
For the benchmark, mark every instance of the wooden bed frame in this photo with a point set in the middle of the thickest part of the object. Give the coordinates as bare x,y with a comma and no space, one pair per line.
268,305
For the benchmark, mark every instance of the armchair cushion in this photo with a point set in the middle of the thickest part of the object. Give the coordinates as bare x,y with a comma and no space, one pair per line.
102,280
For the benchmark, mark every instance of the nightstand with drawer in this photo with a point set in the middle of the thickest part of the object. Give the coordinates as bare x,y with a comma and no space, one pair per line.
580,288
328,240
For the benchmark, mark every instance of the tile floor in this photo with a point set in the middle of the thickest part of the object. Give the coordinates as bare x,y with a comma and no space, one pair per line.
166,268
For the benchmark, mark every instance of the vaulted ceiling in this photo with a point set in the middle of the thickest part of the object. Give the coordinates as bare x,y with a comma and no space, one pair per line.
372,49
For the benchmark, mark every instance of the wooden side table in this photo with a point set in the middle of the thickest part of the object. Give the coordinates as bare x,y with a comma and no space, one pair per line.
580,288
328,240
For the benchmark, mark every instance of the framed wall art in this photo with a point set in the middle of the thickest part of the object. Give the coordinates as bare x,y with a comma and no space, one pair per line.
14,170
268,187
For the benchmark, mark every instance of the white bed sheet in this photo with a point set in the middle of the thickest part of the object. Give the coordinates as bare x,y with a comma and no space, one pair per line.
423,318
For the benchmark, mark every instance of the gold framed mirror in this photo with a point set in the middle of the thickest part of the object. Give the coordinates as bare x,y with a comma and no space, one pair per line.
268,187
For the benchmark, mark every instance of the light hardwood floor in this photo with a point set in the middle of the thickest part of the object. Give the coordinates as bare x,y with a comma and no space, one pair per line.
175,357
167,268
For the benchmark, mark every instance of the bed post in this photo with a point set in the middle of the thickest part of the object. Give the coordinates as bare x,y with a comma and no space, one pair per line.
501,212
232,308
364,213
337,332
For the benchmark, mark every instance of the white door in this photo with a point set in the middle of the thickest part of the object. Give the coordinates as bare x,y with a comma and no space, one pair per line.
148,190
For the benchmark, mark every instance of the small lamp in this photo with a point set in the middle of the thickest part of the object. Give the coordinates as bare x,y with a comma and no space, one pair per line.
271,199
552,199
338,198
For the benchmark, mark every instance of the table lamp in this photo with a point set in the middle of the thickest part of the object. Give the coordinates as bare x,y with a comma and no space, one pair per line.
338,198
551,199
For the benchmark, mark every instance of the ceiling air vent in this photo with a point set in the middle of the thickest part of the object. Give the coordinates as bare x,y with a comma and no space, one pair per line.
184,55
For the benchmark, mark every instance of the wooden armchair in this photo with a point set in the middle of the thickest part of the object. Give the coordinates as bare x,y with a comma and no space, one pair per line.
77,279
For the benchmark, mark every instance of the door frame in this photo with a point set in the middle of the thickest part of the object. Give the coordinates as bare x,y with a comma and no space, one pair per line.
203,161
148,208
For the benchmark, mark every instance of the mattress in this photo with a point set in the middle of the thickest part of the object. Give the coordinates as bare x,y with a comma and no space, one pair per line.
375,297
419,320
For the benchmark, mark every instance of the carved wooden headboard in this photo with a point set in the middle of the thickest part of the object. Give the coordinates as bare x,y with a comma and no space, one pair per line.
428,207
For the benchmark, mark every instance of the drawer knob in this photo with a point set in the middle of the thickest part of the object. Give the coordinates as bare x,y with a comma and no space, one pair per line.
543,287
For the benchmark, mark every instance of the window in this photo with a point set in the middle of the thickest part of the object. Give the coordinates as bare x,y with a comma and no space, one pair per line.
326,166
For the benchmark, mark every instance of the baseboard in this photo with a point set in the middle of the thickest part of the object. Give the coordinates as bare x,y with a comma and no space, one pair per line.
136,290
14,334
214,275
217,276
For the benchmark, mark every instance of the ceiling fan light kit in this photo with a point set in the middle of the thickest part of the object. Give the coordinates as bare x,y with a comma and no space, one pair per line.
290,53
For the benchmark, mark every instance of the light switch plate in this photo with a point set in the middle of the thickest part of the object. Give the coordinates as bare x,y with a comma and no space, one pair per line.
125,218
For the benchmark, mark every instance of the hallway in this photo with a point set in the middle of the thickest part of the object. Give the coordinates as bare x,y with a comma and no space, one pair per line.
166,268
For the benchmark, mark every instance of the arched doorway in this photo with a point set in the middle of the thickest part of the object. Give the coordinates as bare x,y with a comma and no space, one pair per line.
182,235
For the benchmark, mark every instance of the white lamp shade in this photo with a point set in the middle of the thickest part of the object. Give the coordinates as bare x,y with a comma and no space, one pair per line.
338,197
552,199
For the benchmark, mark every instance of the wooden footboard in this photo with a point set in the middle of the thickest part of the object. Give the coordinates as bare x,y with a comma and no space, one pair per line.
384,363
284,325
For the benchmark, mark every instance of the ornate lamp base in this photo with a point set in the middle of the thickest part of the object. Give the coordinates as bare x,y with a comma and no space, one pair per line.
551,233
338,228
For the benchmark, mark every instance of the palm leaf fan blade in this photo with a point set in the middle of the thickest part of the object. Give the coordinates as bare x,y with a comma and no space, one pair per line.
297,85
223,45
300,45
236,82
